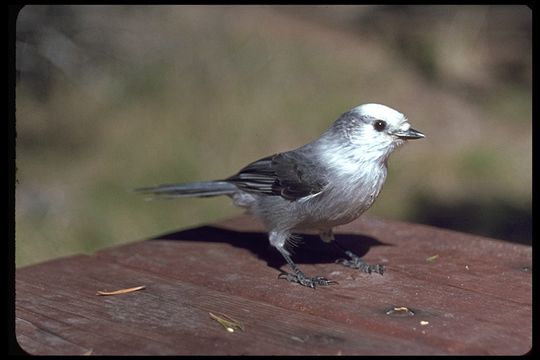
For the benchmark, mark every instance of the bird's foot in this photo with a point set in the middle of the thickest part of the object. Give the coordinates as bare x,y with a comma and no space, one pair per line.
304,280
356,262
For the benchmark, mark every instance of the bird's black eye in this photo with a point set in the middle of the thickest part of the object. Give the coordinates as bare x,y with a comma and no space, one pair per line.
379,125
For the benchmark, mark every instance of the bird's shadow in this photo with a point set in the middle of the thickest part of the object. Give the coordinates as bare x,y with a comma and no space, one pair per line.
309,250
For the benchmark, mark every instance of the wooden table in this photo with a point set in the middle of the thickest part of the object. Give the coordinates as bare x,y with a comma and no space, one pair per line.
464,294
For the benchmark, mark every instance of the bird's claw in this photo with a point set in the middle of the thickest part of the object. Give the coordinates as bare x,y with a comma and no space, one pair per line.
304,280
357,263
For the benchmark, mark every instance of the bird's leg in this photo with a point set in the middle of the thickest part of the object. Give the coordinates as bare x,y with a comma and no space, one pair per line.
355,261
278,241
299,277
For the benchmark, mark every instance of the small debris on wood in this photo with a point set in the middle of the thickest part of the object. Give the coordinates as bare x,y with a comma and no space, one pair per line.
400,311
227,322
121,291
432,258
423,322
296,338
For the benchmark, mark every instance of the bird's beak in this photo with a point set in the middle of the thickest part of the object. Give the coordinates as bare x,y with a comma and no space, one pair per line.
410,134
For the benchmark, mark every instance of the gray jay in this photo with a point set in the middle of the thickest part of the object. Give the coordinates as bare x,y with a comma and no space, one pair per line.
325,183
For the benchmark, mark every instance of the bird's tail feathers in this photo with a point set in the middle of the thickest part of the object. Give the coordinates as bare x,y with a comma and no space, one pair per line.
194,189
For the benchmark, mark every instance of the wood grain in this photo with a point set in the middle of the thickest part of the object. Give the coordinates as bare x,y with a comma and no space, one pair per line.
474,298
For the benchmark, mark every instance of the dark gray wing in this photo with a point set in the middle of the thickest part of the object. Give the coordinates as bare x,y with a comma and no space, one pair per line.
291,175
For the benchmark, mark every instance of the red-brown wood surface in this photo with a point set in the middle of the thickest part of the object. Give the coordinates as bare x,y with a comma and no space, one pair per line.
474,297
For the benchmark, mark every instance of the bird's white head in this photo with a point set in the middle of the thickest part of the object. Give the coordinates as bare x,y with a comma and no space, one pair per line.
380,126
373,131
380,122
380,112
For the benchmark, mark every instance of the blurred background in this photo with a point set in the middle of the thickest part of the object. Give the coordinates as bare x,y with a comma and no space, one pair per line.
111,98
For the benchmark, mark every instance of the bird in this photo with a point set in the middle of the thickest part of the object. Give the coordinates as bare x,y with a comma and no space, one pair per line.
327,182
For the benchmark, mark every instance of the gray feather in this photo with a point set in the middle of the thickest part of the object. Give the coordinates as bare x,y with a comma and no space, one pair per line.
193,189
291,175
